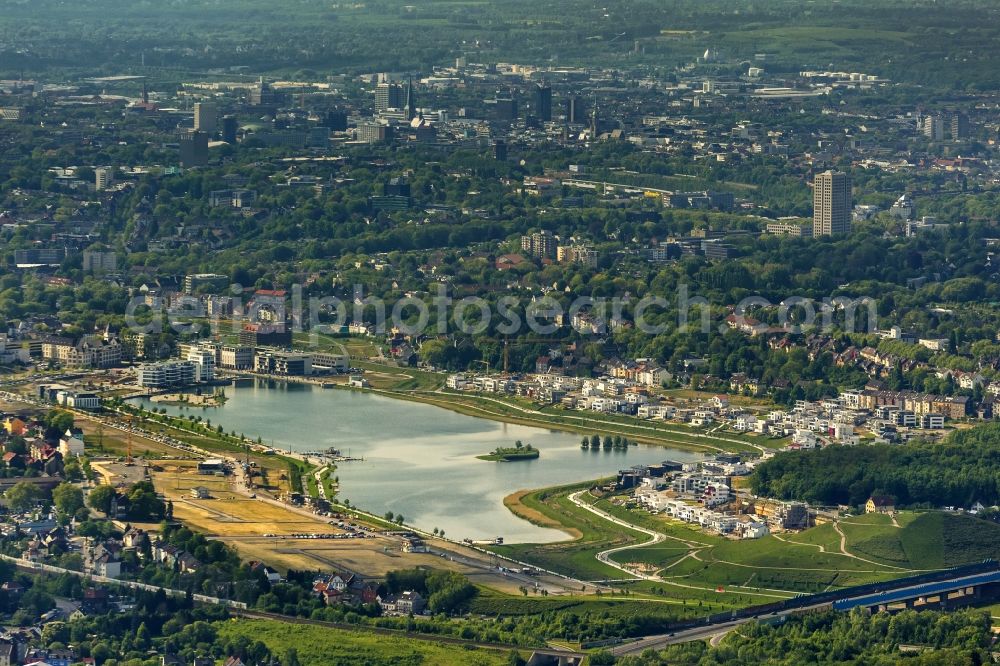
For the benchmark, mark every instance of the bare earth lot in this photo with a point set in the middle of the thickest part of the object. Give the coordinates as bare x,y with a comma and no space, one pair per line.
242,522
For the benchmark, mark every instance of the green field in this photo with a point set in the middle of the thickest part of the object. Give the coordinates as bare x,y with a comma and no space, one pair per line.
811,561
324,646
695,565
575,557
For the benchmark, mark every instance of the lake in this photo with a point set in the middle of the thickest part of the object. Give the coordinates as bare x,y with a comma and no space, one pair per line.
419,460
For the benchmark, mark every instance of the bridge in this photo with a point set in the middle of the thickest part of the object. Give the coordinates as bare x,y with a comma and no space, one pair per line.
954,592
943,589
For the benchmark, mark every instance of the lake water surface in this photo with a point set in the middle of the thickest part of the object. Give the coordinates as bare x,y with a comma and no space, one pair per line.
420,460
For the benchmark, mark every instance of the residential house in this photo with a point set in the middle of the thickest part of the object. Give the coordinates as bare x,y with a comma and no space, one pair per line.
71,443
880,504
410,602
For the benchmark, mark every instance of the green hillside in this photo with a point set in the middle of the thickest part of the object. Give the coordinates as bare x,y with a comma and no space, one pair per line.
932,541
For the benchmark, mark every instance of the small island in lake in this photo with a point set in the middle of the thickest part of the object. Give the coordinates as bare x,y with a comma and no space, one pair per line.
518,452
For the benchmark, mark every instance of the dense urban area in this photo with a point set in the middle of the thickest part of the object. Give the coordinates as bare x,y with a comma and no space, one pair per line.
638,332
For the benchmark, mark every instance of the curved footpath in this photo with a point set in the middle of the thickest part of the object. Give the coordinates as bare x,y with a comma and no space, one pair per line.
655,537
605,555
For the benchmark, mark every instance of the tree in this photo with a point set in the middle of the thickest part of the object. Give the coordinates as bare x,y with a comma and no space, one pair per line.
142,637
16,445
67,498
143,502
23,496
100,498
58,421
291,658
514,658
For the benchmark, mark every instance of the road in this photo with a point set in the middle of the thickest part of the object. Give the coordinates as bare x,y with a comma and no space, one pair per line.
37,567
713,634
240,608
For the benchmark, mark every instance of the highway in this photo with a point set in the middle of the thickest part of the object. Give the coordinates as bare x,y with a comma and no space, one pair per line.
658,642
850,600
711,632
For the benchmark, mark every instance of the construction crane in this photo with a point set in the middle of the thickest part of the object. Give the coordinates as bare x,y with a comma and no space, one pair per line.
128,439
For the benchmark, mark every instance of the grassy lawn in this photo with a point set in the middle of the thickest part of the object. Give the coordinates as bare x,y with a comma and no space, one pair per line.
696,565
791,565
324,646
935,540
629,601
690,581
390,377
578,556
821,535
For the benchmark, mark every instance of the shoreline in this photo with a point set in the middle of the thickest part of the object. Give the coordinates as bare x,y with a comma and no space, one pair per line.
514,504
439,399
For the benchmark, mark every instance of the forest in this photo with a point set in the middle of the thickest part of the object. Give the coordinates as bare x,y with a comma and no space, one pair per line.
825,639
957,472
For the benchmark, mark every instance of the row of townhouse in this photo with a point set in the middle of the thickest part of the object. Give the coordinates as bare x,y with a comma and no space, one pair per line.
89,352
560,382
906,418
488,384
641,371
656,411
951,407
665,502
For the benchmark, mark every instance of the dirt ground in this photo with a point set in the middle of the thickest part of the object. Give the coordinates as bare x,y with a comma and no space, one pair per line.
116,473
242,523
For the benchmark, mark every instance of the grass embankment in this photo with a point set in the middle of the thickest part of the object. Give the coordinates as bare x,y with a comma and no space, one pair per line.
931,540
325,646
589,534
103,440
812,561
625,603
